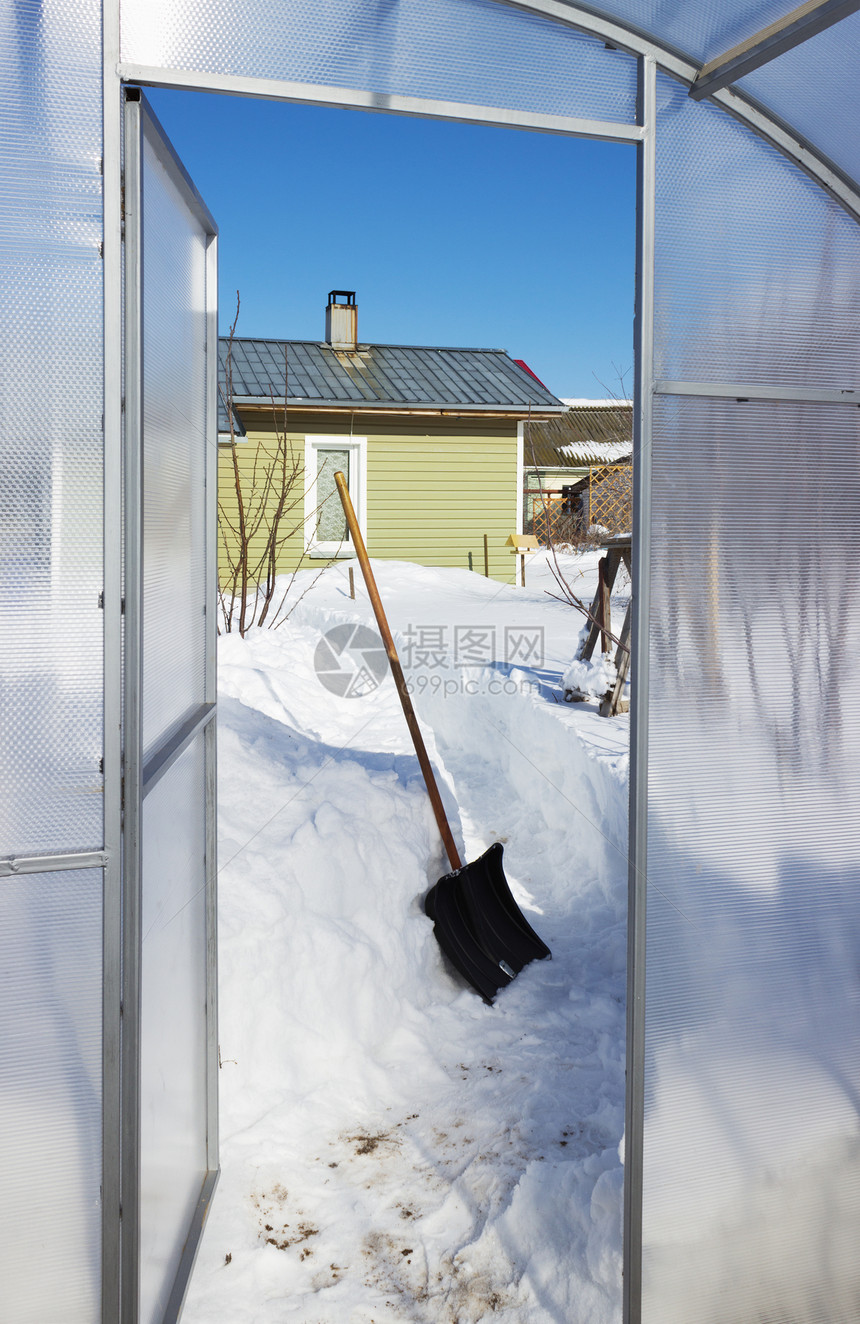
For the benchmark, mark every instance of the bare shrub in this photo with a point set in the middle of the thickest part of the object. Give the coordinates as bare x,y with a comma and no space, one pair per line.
269,511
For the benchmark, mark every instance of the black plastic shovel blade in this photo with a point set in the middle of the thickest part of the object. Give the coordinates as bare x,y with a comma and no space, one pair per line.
455,937
495,918
479,925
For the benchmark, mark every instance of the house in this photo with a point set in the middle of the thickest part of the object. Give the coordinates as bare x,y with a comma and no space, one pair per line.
579,464
430,440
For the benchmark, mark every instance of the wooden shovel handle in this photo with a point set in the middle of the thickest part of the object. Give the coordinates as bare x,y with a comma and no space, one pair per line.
397,673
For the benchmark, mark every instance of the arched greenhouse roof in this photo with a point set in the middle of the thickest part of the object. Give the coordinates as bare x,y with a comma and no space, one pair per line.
799,66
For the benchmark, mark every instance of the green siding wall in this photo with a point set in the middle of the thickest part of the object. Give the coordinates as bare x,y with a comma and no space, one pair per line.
430,499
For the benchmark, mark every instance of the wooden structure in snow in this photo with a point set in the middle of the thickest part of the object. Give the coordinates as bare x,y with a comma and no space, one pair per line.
618,552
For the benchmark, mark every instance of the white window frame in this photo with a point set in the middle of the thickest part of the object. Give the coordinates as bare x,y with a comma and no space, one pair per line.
357,447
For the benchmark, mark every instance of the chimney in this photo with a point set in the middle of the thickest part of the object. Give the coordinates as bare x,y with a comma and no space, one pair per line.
341,320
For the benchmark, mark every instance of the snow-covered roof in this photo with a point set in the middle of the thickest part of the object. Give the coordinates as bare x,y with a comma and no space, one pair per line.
588,432
584,403
595,452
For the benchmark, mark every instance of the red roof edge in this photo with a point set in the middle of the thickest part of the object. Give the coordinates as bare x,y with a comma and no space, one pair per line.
521,363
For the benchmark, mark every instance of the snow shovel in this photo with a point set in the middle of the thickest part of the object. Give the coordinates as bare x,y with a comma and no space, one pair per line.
476,920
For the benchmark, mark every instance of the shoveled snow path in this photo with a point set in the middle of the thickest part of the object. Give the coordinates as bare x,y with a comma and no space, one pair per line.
392,1148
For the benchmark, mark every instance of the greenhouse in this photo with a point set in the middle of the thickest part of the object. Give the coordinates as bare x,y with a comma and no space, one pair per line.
742,1141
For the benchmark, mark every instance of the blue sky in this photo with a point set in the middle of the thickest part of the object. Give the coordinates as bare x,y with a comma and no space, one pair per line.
451,234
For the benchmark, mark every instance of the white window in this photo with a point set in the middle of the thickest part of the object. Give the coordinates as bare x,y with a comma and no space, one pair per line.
326,533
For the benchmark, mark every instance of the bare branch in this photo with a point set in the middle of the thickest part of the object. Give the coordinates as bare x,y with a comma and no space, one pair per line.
271,499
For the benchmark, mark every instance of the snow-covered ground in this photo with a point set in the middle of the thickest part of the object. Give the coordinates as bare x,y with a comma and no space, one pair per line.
392,1148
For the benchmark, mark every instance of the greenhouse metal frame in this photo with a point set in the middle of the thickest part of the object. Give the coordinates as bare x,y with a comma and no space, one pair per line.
744,805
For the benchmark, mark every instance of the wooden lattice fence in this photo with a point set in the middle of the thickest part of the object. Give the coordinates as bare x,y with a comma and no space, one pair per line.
610,497
604,501
551,524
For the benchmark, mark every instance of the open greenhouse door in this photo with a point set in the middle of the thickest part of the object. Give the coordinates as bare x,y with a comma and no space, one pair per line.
170,1147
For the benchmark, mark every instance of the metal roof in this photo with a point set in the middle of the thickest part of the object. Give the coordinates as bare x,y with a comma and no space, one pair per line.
379,377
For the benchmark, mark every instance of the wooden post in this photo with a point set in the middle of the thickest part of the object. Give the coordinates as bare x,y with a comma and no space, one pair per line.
397,674
523,569
351,583
622,666
607,569
486,558
604,592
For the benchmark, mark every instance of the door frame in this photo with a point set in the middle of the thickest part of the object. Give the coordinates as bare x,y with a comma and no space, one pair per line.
123,938
653,58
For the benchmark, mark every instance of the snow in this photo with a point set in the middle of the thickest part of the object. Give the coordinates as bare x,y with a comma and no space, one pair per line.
392,1148
574,402
596,452
592,678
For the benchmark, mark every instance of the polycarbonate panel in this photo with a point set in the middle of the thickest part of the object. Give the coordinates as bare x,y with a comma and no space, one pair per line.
50,1097
801,89
751,1172
50,428
475,51
173,1022
174,454
756,266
